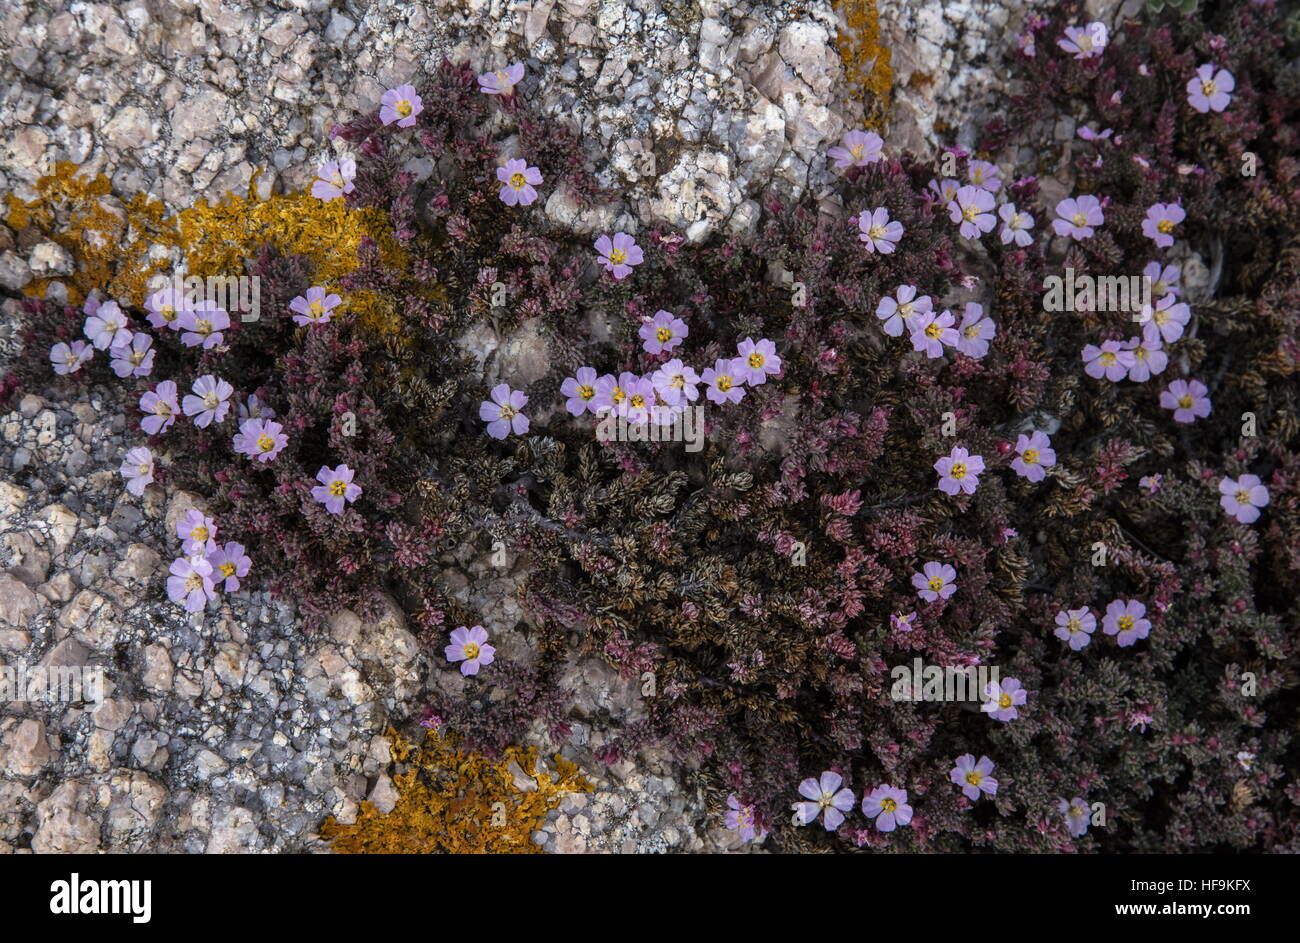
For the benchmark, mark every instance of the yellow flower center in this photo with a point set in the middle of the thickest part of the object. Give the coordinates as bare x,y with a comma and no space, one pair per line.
586,392
316,308
1073,626
144,469
508,411
638,401
517,181
193,581
1242,496
167,313
227,569
1107,357
338,488
617,256
1208,87
618,395
905,310
404,108
723,383
935,583
974,777
471,650
678,381
1185,401
162,408
876,232
756,360
203,326
972,331
199,533
1004,701
1161,316
856,151
663,335
1031,456
969,213
1165,226
337,181
1125,623
1079,220
210,400
888,805
1141,353
1084,42
958,470
136,357
932,330
265,442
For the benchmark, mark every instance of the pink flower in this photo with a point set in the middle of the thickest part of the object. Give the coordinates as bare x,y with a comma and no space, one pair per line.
518,182
315,307
1164,279
676,384
827,799
1149,357
1209,90
191,583
975,779
69,359
959,472
859,149
502,81
335,488
1243,498
1084,41
1015,225
935,581
134,359
160,403
137,469
1151,483
902,623
984,175
164,307
503,413
229,564
260,439
877,232
1076,627
210,402
469,646
334,179
1125,620
1110,360
1167,320
108,327
1188,399
1078,216
975,331
724,381
619,254
973,208
945,190
610,392
888,806
1160,222
1088,134
897,312
195,530
1033,454
742,818
759,360
1075,812
1001,698
638,402
202,325
931,333
400,104
581,391
662,332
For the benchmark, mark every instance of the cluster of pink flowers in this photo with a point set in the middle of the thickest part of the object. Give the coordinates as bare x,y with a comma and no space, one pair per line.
972,205
1124,618
825,799
932,333
205,566
959,470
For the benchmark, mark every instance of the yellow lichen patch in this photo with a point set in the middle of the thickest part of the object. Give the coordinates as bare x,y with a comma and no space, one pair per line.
867,73
109,241
454,801
218,237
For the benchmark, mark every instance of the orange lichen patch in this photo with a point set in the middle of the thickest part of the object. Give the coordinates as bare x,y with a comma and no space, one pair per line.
454,801
867,73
